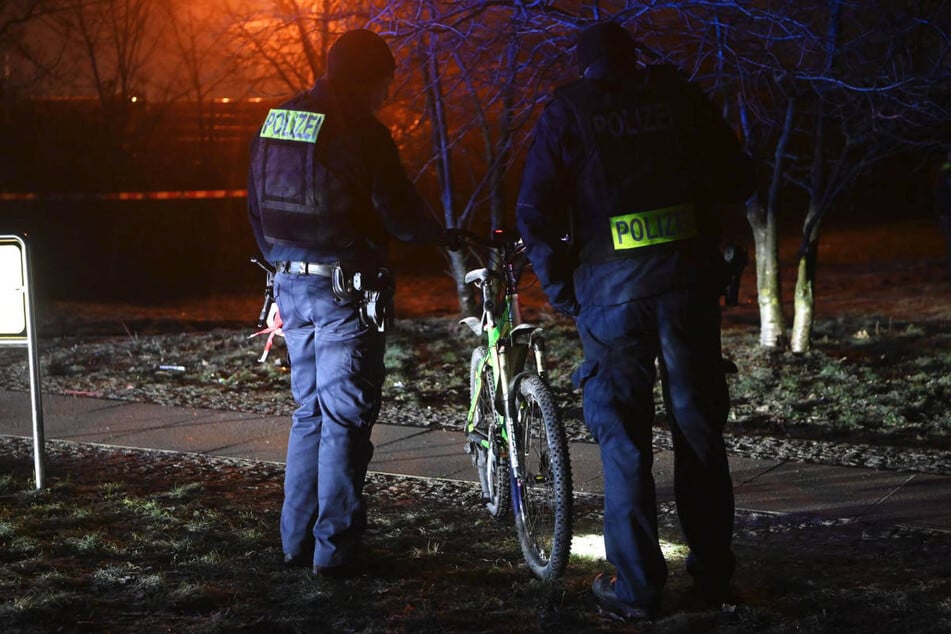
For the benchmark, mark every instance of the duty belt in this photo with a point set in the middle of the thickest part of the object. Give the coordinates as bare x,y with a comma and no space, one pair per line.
305,268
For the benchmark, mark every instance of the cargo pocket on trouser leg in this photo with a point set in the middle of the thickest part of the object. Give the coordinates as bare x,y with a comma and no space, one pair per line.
581,378
585,371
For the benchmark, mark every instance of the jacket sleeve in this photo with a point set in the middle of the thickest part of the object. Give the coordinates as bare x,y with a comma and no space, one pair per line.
545,205
254,216
405,214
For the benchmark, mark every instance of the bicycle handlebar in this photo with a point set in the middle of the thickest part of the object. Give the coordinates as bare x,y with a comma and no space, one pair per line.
499,239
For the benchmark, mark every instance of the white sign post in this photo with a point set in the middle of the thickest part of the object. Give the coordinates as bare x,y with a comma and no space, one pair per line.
17,328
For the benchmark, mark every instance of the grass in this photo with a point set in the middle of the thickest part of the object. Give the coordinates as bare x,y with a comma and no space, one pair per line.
189,544
887,386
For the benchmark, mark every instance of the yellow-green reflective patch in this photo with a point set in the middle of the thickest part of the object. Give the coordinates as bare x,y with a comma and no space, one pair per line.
642,229
292,125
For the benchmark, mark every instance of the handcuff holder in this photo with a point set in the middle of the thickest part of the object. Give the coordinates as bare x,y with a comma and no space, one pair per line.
374,288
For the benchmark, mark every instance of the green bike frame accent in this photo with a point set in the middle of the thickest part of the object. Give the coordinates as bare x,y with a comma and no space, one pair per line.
513,432
496,332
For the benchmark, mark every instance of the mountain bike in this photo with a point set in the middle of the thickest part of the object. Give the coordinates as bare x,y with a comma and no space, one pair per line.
513,428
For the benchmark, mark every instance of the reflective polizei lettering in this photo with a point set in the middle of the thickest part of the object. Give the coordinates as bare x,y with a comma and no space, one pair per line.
292,125
653,117
656,226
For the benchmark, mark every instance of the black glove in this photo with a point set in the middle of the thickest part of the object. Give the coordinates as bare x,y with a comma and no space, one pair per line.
453,239
735,260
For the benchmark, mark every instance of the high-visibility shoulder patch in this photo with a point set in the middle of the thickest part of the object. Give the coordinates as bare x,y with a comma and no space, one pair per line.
292,125
656,226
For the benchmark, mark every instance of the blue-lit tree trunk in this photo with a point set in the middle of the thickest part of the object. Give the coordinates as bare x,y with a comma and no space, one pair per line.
761,212
827,89
880,85
429,49
480,95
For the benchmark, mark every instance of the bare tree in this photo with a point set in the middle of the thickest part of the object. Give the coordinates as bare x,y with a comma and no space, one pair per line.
198,38
18,51
106,46
755,59
472,76
283,44
881,87
813,100
117,37
822,92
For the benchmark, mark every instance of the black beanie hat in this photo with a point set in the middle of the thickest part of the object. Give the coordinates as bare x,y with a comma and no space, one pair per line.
360,57
607,41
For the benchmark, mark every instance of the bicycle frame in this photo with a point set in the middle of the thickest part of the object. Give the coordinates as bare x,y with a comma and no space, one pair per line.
508,342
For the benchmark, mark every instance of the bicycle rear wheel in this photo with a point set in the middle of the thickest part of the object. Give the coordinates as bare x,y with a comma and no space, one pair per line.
487,446
543,503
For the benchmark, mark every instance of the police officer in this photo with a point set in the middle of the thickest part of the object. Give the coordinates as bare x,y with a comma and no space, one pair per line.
326,190
630,164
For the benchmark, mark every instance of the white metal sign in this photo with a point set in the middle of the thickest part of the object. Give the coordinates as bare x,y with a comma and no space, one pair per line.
12,295
17,329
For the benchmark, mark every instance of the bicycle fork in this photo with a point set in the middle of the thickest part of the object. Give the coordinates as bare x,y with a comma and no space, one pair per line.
531,338
506,386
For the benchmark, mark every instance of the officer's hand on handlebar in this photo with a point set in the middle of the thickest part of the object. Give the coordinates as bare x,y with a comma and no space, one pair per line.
454,239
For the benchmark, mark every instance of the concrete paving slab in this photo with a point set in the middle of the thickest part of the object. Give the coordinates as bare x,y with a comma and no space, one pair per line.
435,453
586,473
155,426
827,491
440,453
917,500
742,470
921,501
271,443
16,416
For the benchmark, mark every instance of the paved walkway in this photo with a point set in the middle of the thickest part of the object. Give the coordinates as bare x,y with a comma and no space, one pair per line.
901,498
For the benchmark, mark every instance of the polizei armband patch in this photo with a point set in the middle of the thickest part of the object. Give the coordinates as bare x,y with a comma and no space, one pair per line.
644,228
292,125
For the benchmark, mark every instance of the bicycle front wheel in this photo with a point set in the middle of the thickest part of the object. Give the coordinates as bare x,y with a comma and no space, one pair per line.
543,504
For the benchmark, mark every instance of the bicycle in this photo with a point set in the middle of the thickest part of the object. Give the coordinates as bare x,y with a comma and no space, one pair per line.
513,428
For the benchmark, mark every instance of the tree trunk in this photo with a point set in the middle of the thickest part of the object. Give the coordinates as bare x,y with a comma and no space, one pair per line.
442,150
768,284
762,218
805,296
459,268
805,304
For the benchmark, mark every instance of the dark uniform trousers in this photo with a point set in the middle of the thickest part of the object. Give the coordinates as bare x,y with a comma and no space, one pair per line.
337,376
681,330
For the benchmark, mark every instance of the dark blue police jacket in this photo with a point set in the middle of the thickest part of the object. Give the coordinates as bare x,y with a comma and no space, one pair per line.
326,183
620,185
